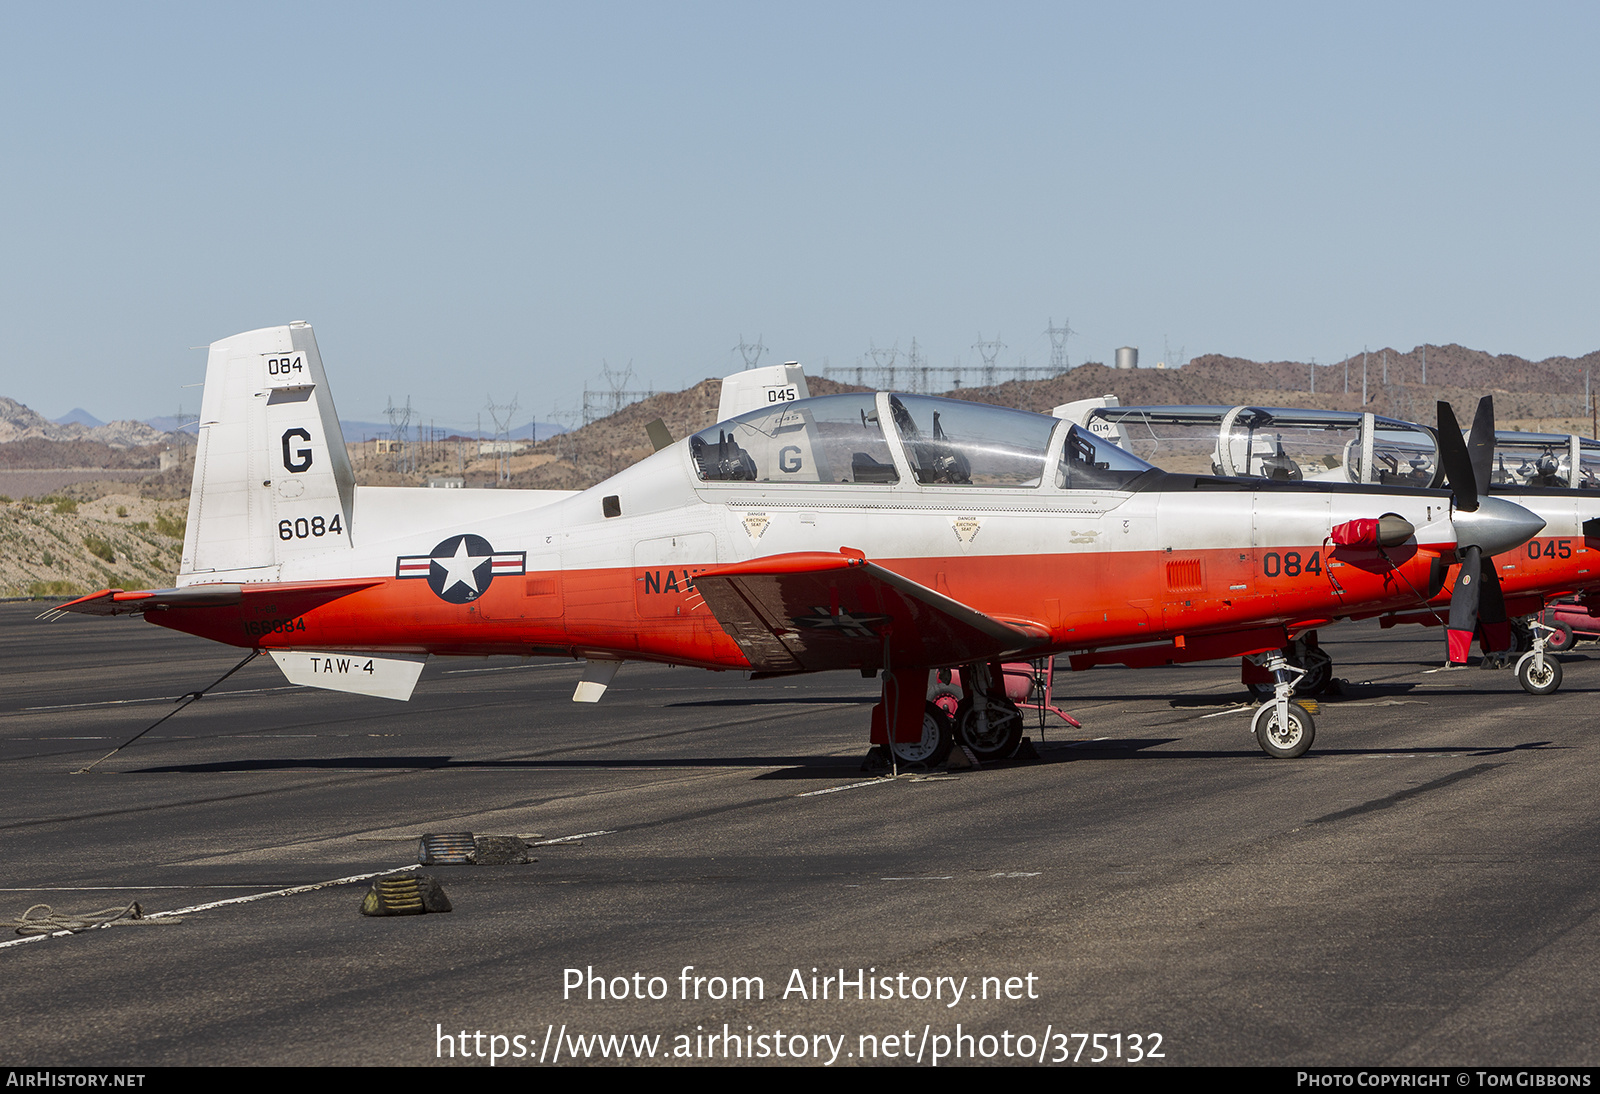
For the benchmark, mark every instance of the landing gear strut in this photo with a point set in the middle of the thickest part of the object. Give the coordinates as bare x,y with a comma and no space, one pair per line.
987,723
1303,653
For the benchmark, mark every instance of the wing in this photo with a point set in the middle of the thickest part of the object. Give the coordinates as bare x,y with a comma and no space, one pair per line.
808,612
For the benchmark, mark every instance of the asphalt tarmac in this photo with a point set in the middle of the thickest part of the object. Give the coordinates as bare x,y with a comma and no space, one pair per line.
1421,888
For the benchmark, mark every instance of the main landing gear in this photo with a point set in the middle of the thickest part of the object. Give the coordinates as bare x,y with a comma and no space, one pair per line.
988,724
1283,729
984,720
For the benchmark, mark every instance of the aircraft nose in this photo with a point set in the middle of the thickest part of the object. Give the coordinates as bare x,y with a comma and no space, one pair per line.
1496,526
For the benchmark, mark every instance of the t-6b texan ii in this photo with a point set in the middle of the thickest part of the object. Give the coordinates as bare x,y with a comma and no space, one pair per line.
890,534
1555,476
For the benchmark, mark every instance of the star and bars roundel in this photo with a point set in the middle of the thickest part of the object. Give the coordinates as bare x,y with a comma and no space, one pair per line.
461,568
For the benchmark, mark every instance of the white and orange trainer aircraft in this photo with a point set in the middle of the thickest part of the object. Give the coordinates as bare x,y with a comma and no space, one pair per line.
891,534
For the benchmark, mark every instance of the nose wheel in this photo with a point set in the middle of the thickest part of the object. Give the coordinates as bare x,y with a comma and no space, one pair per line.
1283,729
1537,673
1538,676
1283,736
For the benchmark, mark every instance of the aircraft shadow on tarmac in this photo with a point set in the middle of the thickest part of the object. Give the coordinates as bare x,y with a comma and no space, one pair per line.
1121,750
808,767
760,701
797,766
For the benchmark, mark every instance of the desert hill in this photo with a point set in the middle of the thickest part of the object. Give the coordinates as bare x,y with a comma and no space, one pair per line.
1542,395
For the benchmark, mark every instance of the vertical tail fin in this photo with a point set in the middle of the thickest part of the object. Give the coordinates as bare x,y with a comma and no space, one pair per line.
272,480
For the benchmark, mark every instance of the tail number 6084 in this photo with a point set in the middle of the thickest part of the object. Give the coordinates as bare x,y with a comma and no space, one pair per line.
312,528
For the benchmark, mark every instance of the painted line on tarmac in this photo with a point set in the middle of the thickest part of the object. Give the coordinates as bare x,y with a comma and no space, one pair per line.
846,786
1380,703
293,890
571,839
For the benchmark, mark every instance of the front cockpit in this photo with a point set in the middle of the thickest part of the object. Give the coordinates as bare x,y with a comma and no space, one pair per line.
885,439
1544,461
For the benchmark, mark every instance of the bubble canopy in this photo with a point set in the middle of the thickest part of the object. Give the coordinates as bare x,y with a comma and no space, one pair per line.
1275,443
845,440
1544,461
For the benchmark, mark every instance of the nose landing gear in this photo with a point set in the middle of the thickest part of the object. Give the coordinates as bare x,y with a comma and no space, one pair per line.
1283,729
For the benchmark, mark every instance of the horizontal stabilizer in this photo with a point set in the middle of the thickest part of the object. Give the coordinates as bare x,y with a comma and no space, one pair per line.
303,595
362,673
812,611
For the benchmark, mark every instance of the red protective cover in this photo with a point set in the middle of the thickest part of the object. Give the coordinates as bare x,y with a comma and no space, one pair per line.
1356,533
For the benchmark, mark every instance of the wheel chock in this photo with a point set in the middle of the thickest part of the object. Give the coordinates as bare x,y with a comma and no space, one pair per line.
876,761
961,757
405,894
452,848
501,851
465,849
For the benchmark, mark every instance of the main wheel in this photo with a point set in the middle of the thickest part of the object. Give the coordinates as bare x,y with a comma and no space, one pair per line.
1561,639
1283,742
937,739
1536,679
1319,673
992,733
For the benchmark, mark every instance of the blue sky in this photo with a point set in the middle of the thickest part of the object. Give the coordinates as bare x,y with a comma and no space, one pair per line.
477,199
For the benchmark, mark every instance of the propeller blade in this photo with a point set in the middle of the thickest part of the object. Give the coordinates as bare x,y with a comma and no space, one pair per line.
1464,602
1480,444
1457,461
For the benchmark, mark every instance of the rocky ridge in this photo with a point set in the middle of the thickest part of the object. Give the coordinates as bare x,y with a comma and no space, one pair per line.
19,423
